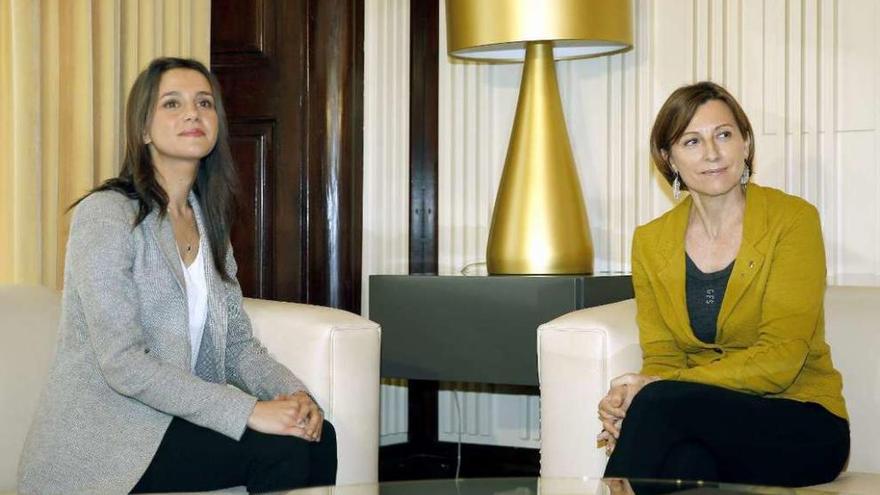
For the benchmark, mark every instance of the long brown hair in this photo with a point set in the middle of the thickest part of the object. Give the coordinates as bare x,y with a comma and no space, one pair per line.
675,115
216,183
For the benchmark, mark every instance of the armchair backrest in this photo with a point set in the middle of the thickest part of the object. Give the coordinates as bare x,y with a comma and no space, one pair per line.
28,333
852,329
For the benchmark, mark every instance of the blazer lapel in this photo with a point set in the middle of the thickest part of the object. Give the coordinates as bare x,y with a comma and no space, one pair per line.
749,259
672,275
163,234
160,226
216,322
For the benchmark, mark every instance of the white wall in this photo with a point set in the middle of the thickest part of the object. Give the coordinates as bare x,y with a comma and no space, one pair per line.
386,171
806,71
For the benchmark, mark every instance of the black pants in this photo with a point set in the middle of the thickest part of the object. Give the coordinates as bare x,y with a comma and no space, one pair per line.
680,430
192,458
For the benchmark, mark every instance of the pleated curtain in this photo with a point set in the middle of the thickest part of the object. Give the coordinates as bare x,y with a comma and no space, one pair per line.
65,70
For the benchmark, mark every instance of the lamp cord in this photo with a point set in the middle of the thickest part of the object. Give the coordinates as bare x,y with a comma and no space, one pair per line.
471,268
458,457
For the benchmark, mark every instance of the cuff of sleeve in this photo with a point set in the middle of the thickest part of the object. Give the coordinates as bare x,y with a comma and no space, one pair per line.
240,406
663,374
316,402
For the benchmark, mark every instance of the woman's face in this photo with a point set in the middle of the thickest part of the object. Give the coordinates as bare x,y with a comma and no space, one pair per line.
184,123
710,155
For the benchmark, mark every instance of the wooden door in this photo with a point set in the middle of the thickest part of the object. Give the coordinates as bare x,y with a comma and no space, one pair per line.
292,78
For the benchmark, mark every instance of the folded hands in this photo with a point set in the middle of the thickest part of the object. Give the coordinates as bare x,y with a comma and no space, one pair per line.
295,415
613,407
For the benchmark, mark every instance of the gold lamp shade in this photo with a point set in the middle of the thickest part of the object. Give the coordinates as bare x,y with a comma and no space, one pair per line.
539,224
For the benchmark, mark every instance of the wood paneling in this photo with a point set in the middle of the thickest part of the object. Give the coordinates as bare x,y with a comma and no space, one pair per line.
253,147
335,153
248,29
423,137
291,73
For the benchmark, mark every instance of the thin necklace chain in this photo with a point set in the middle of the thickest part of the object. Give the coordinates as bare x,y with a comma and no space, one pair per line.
195,225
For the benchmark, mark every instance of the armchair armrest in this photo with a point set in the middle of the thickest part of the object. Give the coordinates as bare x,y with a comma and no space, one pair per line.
336,354
578,354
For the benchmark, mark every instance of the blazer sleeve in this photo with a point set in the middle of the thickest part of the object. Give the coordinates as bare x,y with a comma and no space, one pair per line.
100,260
248,365
790,313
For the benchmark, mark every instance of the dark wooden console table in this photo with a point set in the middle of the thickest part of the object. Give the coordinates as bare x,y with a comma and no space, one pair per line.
470,329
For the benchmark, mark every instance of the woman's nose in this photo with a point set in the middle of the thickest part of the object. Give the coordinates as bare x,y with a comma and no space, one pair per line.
711,150
190,112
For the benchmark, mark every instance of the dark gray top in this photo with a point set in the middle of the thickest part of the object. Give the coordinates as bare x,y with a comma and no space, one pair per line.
704,292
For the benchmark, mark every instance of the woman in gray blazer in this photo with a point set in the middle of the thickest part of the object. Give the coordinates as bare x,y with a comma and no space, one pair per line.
153,332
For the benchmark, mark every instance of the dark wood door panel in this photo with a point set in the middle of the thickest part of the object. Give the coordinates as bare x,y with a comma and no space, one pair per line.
252,147
423,155
292,79
247,97
262,80
335,154
242,29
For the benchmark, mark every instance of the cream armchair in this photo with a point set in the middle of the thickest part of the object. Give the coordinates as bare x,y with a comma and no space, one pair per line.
580,352
334,352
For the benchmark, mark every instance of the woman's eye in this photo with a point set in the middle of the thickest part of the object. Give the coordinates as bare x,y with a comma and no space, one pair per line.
689,142
724,134
206,104
170,104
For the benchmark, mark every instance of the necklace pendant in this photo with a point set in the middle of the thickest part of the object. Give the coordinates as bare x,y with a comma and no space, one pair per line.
188,248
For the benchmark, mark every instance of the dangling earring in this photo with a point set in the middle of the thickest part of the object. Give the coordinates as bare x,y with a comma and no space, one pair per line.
676,187
744,179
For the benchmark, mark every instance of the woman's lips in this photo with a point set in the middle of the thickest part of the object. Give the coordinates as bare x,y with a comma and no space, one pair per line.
193,133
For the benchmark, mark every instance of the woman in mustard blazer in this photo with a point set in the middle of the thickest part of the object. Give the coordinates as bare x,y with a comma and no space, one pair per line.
737,383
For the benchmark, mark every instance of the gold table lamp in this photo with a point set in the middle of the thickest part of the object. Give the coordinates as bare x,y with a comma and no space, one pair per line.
539,224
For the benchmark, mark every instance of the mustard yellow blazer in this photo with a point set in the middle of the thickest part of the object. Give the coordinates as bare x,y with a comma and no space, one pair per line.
771,326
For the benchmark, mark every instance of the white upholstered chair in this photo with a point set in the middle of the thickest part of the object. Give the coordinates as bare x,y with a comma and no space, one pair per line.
336,353
580,352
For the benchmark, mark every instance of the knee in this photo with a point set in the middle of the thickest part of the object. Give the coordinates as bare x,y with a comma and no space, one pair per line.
272,449
663,402
664,394
325,451
323,457
276,462
655,397
328,434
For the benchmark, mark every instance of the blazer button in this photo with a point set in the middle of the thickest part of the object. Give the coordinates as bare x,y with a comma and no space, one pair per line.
146,351
718,351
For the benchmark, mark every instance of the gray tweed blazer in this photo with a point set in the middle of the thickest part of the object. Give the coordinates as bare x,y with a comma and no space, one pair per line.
122,368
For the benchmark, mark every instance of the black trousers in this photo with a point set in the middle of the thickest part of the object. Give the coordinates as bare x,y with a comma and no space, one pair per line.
192,458
680,430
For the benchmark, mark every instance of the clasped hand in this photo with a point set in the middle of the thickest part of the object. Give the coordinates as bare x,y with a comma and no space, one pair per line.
295,415
613,407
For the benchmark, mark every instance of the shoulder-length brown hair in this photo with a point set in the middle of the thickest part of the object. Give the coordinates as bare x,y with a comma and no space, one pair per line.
216,183
675,115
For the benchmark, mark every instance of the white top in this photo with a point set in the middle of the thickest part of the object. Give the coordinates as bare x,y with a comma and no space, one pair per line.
197,302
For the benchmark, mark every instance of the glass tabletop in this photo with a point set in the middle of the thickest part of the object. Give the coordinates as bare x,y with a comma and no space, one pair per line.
554,486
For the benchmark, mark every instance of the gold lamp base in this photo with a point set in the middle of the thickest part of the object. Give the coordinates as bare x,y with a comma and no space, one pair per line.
539,225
